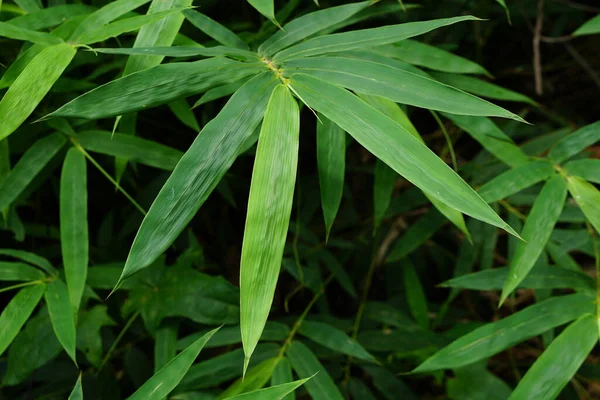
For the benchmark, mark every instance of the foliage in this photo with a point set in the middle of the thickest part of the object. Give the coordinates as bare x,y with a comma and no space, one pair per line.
322,234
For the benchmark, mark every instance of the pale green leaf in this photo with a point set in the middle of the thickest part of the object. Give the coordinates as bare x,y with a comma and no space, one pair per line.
169,376
590,27
17,271
17,312
587,197
269,208
61,315
256,378
31,86
15,32
536,232
49,17
551,372
74,224
279,392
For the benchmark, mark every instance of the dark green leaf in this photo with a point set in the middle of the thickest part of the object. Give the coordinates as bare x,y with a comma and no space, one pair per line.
515,180
61,315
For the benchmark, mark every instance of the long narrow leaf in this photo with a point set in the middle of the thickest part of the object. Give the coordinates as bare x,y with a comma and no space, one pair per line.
11,31
588,198
515,180
277,392
214,29
585,169
61,315
575,142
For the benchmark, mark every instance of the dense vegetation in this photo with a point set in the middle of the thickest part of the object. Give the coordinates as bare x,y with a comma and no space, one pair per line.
298,199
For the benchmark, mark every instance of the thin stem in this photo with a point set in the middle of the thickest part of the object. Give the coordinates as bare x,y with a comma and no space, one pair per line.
448,140
537,58
113,346
20,285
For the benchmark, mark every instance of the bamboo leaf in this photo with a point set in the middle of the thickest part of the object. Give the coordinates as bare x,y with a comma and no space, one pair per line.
588,199
255,379
131,147
364,38
49,17
307,25
588,170
306,364
282,374
516,179
385,178
415,296
569,350
28,167
395,84
16,32
73,224
17,312
575,143
394,146
278,392
331,161
198,172
165,380
184,51
494,337
416,235
154,86
184,113
31,86
16,271
536,232
31,258
590,27
61,315
29,5
77,393
165,346
265,7
214,29
269,208
334,339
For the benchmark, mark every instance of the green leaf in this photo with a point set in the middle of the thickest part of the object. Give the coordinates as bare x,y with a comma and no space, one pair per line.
265,7
214,29
388,384
516,179
588,199
16,271
165,346
29,5
104,15
219,92
279,392
590,27
15,32
307,25
198,172
395,84
475,382
124,25
359,391
268,217
552,277
31,86
133,148
61,315
334,339
159,33
31,258
154,86
49,17
89,339
503,4
186,51
569,350
431,57
255,379
306,364
497,336
165,380
77,392
492,138
481,88
416,235
394,146
17,312
536,232
74,224
331,161
415,296
228,335
383,188
184,113
282,374
575,143
364,38
588,170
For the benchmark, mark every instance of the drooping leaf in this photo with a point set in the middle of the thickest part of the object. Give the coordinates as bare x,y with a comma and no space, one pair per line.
169,376
269,208
307,25
415,296
364,38
74,224
49,17
16,313
394,146
590,27
77,392
30,258
586,169
265,7
61,315
16,271
306,364
575,142
492,138
278,392
536,232
154,86
515,180
31,86
335,339
395,84
16,32
331,161
494,337
29,5
545,379
588,199
214,29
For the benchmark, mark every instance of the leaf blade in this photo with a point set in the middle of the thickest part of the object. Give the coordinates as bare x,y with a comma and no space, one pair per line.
61,315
